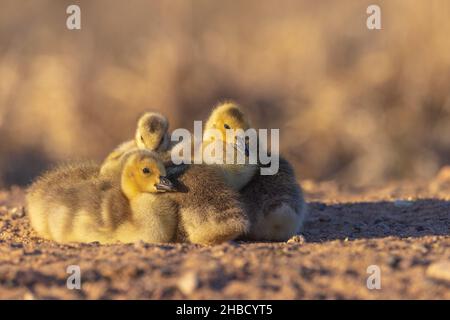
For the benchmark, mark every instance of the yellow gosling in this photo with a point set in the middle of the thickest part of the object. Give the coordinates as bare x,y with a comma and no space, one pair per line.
151,134
76,204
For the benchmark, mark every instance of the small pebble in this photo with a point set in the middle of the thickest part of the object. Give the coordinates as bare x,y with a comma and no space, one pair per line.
188,283
297,239
421,248
17,213
439,271
28,296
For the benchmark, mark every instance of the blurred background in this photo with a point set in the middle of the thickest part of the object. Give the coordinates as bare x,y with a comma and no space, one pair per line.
355,106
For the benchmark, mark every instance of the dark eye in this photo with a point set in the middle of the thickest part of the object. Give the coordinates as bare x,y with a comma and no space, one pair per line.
142,138
146,170
226,126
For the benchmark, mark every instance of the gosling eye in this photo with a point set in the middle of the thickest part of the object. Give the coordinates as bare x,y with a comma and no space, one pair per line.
142,138
146,170
226,126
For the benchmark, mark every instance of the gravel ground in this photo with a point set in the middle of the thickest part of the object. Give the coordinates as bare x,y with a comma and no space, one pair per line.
403,228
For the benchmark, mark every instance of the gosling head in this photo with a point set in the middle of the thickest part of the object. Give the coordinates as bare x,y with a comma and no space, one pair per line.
152,132
143,172
226,116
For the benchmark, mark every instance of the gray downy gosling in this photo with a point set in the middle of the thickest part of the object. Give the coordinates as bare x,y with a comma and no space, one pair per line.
210,212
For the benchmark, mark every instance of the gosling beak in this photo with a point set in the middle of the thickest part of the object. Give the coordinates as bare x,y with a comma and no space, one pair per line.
247,150
242,146
164,184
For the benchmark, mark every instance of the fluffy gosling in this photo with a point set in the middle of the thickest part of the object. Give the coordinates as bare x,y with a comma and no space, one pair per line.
225,116
151,134
274,203
210,212
76,204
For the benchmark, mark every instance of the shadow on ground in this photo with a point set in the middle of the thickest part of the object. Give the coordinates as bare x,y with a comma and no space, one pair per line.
377,220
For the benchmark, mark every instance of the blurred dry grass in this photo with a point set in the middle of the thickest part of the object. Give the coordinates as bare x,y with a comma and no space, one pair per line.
354,105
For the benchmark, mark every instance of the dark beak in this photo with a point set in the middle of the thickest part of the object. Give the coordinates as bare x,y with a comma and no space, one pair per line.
247,150
242,146
164,184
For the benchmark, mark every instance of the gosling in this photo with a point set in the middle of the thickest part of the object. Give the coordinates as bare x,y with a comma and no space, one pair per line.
228,115
274,203
151,134
210,212
73,203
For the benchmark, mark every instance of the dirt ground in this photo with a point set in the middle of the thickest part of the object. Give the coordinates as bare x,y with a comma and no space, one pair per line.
403,228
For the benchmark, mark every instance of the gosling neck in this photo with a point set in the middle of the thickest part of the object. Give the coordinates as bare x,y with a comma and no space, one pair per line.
238,176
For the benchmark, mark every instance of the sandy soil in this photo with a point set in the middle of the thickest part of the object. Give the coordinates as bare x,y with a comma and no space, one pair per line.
404,228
